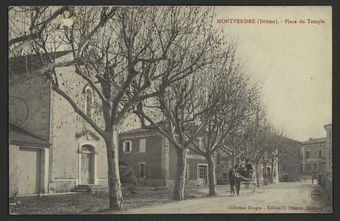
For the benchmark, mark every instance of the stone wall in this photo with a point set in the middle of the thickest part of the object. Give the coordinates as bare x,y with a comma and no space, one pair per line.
313,162
69,132
29,104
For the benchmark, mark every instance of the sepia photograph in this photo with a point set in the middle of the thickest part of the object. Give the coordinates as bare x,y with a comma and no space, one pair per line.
169,109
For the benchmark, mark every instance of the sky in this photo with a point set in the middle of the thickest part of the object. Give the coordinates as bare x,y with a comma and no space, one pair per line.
293,62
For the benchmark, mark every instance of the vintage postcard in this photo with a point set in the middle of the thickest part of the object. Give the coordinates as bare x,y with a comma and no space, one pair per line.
170,109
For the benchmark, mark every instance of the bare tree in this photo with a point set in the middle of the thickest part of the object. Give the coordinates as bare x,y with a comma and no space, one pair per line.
28,23
179,98
39,30
234,146
182,109
262,141
235,102
126,55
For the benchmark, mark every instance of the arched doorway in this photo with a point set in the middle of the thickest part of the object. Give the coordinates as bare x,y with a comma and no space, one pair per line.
87,164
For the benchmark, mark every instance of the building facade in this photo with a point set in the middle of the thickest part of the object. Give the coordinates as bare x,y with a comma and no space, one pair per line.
313,156
62,150
153,159
28,167
69,152
327,179
224,163
290,167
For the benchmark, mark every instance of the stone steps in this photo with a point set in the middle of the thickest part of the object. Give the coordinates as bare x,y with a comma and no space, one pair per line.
90,188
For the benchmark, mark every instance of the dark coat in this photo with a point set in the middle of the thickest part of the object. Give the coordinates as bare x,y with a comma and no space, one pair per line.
231,176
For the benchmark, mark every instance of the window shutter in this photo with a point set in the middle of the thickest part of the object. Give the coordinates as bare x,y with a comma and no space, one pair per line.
142,145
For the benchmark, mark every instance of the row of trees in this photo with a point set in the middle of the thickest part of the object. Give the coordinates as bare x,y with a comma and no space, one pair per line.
155,62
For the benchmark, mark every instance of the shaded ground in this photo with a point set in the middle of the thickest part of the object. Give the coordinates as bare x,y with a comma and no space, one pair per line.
276,198
88,203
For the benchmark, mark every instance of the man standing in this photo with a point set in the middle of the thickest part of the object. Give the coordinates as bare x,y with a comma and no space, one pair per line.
231,176
238,178
249,168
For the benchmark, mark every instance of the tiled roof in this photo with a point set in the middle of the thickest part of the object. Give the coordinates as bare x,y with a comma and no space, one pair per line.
137,130
32,62
143,130
19,136
314,140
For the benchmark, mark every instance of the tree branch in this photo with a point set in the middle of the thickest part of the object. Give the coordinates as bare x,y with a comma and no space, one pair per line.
78,110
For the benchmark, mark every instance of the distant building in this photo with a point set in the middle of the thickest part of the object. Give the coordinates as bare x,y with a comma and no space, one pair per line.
326,182
284,163
223,165
153,159
290,168
225,162
313,156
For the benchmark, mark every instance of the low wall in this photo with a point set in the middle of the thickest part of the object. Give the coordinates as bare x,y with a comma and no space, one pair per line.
61,186
151,182
188,183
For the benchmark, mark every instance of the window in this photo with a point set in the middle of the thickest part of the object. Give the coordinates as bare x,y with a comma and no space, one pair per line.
89,101
307,154
202,171
127,146
142,170
320,153
142,145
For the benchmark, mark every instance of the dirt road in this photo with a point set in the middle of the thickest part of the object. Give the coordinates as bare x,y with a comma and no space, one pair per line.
294,197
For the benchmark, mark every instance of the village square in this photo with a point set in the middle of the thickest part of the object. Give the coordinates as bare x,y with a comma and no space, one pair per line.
156,110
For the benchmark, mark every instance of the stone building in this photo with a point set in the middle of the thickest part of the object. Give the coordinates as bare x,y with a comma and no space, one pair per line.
290,168
284,163
52,149
224,163
59,151
313,156
29,158
153,159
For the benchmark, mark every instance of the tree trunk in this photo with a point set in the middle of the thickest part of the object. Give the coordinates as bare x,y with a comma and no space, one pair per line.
211,174
179,186
257,175
115,191
265,174
271,177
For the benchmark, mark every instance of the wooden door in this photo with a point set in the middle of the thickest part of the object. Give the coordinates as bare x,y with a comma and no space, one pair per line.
86,168
29,171
202,174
